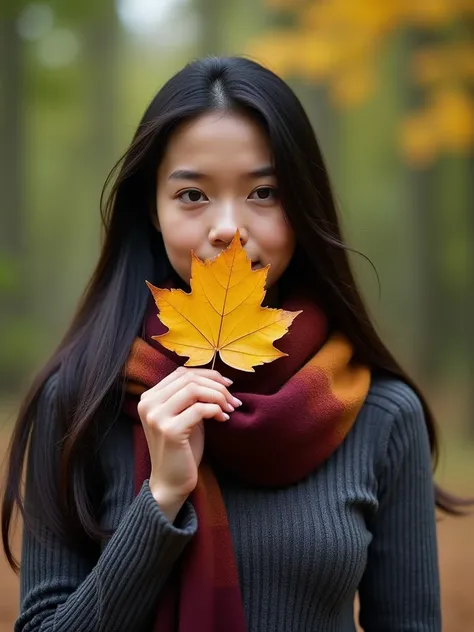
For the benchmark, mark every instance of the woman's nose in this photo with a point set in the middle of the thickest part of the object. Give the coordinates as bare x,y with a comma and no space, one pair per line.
224,229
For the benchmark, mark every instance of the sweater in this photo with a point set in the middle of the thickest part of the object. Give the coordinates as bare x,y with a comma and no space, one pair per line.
362,522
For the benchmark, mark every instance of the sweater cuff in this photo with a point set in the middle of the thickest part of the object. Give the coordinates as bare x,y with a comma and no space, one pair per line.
186,521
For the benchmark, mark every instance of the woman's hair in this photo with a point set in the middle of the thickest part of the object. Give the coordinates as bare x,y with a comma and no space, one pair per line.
89,361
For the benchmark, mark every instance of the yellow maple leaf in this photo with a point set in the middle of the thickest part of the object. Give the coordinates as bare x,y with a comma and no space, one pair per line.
222,314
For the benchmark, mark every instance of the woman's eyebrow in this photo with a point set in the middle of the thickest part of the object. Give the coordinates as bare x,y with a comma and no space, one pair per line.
262,172
188,174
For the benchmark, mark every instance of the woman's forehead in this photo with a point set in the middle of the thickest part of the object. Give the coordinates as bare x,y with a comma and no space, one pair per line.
215,140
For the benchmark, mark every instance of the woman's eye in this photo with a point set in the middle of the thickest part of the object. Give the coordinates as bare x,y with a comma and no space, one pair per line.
192,196
264,194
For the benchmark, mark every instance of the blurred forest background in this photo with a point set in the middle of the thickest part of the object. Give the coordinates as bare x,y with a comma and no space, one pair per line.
389,87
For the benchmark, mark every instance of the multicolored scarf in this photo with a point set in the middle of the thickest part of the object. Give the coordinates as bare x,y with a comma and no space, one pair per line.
296,412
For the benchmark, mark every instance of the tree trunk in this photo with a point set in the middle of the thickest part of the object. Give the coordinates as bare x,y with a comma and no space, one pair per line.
469,311
469,288
13,221
210,19
102,35
428,242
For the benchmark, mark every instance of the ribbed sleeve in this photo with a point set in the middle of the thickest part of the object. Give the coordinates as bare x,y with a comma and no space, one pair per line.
63,590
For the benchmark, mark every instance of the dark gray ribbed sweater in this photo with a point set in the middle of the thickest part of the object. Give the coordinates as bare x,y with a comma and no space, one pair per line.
364,521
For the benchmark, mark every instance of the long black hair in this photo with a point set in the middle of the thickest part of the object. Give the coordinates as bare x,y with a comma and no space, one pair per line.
88,362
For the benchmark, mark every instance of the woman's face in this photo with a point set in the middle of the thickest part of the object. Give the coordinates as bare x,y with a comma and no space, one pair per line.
216,177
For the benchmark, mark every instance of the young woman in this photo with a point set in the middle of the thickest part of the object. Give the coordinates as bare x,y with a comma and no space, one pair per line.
164,498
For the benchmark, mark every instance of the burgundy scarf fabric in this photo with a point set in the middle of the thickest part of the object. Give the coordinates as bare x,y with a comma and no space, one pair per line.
296,411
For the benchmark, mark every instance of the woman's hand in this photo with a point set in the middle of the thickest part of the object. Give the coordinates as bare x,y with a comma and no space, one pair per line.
171,414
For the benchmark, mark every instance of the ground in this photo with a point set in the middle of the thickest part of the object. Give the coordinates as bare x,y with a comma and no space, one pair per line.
456,550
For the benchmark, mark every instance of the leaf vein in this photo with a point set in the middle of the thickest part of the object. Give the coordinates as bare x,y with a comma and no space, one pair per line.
190,322
251,333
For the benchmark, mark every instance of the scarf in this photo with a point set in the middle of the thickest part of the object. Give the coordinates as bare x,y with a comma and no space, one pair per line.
296,412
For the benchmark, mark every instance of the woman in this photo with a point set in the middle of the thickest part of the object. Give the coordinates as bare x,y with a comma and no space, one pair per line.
316,480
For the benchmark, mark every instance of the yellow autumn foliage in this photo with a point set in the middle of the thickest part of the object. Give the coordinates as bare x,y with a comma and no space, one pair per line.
353,86
431,13
337,42
418,142
453,116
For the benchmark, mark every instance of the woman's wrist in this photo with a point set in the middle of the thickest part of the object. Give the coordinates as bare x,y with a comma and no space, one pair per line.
169,503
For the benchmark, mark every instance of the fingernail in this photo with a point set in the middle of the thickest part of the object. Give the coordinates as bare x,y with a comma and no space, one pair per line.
230,408
228,381
226,416
236,401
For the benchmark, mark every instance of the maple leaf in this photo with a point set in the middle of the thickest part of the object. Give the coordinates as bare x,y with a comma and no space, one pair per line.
222,314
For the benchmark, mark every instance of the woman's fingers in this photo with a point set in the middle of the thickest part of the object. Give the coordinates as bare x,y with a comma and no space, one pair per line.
191,394
180,371
165,382
211,374
188,380
191,416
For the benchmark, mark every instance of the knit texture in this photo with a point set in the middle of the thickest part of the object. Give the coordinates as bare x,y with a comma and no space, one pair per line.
362,521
